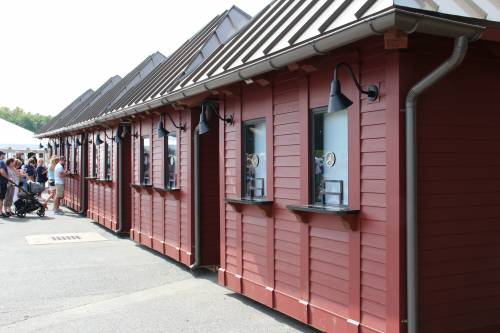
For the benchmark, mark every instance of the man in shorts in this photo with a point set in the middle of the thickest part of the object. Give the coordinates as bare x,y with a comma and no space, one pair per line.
59,174
4,180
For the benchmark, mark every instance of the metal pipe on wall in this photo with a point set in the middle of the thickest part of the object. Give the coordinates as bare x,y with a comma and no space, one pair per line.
456,58
83,181
121,187
197,200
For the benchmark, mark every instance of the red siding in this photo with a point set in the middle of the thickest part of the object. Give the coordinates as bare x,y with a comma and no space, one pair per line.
72,184
103,196
459,206
319,272
161,220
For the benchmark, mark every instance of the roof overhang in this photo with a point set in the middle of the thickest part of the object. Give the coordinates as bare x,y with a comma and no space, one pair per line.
376,24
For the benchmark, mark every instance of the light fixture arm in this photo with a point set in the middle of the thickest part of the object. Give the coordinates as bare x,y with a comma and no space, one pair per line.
372,91
109,138
181,126
229,119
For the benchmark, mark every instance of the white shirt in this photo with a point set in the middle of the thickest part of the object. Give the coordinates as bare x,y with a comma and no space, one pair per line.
57,174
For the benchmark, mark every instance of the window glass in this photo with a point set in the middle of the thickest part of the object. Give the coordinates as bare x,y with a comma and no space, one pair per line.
75,159
108,153
171,161
330,157
68,156
146,159
254,159
94,160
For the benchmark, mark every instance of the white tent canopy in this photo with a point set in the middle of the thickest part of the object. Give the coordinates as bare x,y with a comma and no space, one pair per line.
16,137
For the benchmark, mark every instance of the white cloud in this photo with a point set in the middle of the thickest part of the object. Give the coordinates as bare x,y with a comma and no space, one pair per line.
53,50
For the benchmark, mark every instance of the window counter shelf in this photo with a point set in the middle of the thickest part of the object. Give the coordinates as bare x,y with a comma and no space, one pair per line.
163,190
142,186
264,204
349,215
97,180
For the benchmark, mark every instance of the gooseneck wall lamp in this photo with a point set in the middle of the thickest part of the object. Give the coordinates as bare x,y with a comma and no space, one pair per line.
120,133
338,101
203,126
98,140
162,131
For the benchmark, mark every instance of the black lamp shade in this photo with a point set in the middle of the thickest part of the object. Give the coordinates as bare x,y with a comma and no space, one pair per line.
98,140
203,126
40,145
338,101
162,132
78,142
118,134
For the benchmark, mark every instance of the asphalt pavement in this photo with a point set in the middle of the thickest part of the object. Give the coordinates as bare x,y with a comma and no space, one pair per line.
112,285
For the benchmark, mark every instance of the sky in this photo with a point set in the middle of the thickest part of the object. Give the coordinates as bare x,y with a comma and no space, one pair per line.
51,51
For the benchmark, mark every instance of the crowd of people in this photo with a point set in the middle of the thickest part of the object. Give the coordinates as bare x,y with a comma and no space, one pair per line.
16,174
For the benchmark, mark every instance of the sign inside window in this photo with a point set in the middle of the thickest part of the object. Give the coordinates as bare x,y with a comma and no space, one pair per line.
255,159
330,157
146,159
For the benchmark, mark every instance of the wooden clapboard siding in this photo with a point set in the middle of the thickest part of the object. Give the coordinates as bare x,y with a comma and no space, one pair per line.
319,272
103,196
459,184
162,221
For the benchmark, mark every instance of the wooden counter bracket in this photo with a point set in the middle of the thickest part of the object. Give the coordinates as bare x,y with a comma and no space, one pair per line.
349,216
265,205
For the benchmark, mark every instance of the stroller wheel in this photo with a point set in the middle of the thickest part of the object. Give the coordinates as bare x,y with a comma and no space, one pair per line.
20,213
41,212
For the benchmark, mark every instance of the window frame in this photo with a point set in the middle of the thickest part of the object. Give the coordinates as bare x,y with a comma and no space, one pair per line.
166,161
107,161
244,125
94,160
68,154
141,160
312,192
74,159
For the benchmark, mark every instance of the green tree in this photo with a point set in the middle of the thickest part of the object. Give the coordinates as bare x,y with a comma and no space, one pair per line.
30,121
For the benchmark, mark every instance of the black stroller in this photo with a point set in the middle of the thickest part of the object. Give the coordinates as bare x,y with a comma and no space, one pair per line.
27,201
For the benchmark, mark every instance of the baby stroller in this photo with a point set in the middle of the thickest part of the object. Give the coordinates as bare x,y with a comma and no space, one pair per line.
27,201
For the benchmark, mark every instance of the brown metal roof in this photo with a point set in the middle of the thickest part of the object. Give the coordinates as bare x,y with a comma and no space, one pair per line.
105,102
187,58
290,29
56,121
284,24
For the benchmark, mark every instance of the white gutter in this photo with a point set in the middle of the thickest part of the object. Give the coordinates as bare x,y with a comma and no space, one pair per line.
373,25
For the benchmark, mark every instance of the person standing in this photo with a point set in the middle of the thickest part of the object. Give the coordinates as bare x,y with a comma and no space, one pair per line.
41,172
30,169
59,174
50,172
4,180
11,188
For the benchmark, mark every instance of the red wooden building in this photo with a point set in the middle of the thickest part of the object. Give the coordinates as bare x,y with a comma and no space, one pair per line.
352,208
